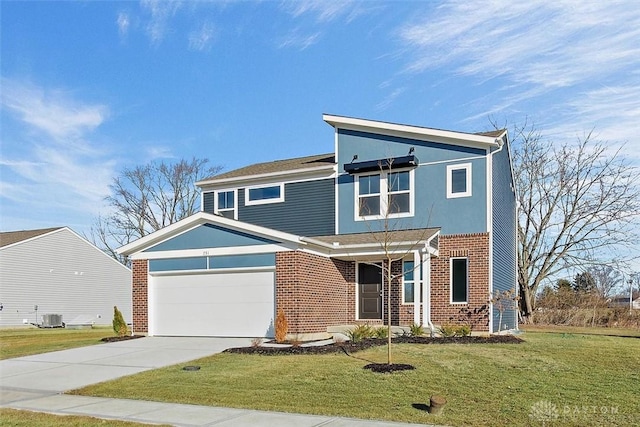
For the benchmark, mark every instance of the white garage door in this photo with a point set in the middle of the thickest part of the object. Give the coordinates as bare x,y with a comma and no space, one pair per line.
212,305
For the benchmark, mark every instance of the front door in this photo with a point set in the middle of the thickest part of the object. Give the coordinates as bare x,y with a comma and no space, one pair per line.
370,291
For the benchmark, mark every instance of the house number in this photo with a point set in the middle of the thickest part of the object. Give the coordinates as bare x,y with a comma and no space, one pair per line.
205,252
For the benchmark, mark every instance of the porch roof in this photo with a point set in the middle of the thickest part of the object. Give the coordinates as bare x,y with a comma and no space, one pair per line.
374,243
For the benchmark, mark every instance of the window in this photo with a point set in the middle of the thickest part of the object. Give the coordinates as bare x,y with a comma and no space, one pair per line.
459,280
369,195
226,204
408,290
386,193
262,195
459,180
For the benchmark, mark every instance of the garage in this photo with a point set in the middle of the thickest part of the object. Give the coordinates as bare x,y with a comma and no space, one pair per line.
212,304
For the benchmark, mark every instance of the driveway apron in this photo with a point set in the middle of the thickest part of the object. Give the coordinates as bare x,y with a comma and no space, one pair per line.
60,371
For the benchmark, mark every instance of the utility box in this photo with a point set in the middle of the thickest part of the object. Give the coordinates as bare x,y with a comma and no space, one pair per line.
52,321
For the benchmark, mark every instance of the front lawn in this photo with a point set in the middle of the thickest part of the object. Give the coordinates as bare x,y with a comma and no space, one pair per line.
28,341
16,418
570,379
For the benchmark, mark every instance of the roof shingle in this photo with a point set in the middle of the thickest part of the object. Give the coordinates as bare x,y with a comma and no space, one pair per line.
10,237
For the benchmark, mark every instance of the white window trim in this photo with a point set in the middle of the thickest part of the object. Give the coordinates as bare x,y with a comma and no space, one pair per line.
450,169
384,196
451,281
409,281
217,209
248,202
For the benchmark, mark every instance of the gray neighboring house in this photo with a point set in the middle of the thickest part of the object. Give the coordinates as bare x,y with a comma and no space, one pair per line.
61,273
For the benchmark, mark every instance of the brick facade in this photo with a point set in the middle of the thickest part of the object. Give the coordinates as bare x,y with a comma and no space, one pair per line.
313,291
317,292
475,247
140,295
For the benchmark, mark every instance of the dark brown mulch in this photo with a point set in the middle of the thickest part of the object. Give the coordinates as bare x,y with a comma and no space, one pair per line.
125,338
351,347
386,368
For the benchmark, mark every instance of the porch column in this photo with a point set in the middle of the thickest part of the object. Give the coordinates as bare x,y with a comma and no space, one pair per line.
425,283
417,286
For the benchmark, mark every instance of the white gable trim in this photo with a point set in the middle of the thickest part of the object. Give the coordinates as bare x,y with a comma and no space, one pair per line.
204,218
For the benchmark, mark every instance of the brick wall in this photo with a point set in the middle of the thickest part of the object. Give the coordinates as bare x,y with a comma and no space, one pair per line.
140,294
476,311
313,291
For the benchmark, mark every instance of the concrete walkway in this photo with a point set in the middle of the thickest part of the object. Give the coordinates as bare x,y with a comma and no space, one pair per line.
36,383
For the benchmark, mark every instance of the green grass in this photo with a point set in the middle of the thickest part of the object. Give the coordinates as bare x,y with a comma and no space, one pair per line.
16,418
28,341
485,385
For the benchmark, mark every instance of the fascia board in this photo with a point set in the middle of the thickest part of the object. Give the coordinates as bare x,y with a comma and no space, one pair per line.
199,219
319,172
413,132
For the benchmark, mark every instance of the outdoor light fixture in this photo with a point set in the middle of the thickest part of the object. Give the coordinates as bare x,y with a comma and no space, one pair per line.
355,157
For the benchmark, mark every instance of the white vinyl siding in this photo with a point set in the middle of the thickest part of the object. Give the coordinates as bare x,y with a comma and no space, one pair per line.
61,273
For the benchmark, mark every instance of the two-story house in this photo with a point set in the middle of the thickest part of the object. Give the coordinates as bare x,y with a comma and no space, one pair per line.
310,236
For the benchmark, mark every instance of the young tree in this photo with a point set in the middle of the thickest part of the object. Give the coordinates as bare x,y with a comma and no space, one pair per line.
573,199
147,198
390,234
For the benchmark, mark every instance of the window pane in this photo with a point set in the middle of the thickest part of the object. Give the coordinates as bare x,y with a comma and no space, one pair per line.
264,193
459,280
408,270
225,200
399,181
369,184
459,181
398,203
369,206
408,292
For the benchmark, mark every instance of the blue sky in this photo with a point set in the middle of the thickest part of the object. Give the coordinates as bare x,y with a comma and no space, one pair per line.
89,88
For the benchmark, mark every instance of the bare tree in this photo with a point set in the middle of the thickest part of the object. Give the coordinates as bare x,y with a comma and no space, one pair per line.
576,203
606,279
147,198
392,237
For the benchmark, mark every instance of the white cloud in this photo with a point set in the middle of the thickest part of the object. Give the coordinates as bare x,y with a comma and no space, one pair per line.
324,10
123,23
297,40
54,162
202,38
572,66
161,11
51,112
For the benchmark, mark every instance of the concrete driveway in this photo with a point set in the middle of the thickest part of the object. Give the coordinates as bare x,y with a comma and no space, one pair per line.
60,371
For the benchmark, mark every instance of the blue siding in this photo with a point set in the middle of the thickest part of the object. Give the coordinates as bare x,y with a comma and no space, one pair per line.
308,209
209,236
504,235
172,264
238,261
432,208
224,261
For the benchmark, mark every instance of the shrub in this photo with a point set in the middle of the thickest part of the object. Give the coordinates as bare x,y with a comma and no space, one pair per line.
282,326
464,330
382,332
119,325
256,342
448,330
360,333
416,330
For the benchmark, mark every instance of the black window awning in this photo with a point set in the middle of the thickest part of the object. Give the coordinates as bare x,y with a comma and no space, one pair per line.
381,164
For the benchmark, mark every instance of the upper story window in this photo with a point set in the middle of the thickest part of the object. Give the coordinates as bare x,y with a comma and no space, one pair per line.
459,280
459,180
225,204
264,194
389,194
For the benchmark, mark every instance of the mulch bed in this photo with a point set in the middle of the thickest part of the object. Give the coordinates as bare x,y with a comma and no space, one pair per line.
125,338
351,347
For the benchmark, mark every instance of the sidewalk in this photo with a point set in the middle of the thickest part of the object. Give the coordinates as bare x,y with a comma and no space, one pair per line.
172,413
